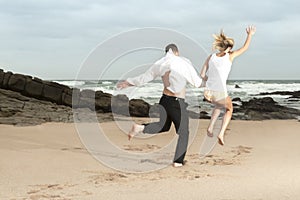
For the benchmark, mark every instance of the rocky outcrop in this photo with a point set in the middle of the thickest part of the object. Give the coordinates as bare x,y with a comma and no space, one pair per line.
264,108
287,93
72,97
17,109
294,96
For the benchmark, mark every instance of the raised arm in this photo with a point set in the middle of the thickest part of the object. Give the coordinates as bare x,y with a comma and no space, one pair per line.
250,32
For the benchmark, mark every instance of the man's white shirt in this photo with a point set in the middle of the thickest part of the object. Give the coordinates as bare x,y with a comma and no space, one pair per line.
180,68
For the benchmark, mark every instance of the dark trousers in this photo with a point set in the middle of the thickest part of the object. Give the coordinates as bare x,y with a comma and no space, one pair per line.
174,110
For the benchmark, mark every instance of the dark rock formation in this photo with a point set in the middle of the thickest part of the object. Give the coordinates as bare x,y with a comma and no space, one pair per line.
138,108
294,94
120,105
237,86
238,99
16,109
266,108
71,97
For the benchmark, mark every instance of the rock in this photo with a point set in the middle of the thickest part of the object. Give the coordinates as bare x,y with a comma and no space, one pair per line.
17,82
138,108
204,115
120,104
235,105
52,92
237,99
292,94
194,115
154,111
201,115
67,99
6,77
16,109
33,88
293,100
103,102
276,93
266,108
1,77
87,93
88,103
71,97
296,94
237,86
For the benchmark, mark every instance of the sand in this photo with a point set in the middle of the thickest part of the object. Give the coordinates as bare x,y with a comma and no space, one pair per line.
260,160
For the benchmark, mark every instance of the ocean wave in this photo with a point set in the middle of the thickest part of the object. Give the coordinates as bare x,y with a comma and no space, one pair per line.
151,92
71,83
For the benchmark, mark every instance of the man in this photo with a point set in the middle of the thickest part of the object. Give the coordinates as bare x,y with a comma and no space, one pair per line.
175,72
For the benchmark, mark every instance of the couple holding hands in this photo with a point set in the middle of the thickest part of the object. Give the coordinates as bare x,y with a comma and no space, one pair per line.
175,72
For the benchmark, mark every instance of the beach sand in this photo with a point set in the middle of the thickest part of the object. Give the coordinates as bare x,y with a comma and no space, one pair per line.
260,160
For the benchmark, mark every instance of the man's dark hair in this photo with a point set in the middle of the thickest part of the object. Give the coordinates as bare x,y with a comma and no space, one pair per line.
171,46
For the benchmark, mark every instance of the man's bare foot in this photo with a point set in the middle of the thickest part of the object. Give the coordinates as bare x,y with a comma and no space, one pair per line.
210,133
221,140
135,130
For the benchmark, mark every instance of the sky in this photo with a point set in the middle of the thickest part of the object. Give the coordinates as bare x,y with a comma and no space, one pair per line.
51,39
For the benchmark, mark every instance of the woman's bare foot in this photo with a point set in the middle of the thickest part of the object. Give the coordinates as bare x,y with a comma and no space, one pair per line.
221,140
210,133
135,130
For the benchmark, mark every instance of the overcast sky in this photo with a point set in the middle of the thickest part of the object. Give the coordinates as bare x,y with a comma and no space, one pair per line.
51,38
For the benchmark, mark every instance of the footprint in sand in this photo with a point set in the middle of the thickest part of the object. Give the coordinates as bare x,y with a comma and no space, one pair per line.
141,147
107,177
49,191
231,157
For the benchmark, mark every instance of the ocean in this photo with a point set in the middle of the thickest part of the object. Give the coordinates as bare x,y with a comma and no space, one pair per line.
151,92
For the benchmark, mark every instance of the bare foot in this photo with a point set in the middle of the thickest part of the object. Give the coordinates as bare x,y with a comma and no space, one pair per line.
221,140
135,130
210,133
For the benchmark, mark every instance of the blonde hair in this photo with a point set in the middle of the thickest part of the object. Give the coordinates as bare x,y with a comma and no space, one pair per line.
222,42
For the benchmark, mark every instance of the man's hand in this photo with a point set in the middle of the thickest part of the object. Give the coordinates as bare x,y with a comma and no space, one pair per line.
123,84
205,78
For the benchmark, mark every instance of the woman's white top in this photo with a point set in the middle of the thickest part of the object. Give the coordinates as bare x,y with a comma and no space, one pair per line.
217,73
181,71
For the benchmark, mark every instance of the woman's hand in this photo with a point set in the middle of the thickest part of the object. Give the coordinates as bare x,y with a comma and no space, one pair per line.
251,30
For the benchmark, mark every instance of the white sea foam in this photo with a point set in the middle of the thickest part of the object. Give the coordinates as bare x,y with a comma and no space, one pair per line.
71,83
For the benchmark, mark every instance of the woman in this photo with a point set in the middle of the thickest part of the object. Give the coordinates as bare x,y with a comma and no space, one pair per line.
215,72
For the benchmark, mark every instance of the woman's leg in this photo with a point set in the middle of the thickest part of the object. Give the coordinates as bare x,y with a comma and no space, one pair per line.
226,119
215,114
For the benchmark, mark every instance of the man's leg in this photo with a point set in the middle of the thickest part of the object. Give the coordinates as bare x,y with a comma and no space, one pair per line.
179,115
164,122
162,125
